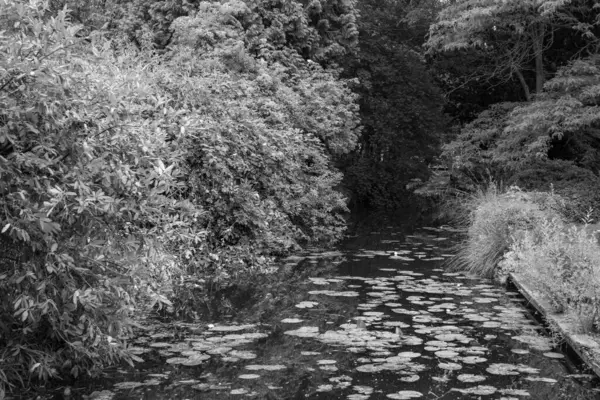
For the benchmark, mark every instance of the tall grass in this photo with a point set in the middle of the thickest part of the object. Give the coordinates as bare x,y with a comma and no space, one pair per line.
492,219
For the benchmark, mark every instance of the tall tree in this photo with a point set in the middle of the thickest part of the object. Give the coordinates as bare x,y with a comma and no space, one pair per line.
554,139
517,32
401,110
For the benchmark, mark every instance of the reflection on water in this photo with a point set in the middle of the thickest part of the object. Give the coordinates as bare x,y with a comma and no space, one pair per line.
380,318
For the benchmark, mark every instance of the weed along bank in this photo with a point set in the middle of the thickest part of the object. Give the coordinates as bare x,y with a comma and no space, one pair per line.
585,344
523,238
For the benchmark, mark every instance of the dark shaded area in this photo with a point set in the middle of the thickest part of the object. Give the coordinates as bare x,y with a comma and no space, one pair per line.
400,107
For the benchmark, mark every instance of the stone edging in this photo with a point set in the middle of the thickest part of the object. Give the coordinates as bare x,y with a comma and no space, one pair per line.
586,346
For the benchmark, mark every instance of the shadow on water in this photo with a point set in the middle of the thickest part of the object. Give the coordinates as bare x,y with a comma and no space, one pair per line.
377,318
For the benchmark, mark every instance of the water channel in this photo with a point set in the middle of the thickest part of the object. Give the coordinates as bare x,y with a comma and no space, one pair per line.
379,318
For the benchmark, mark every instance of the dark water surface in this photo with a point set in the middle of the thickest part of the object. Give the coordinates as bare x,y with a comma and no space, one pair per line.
379,318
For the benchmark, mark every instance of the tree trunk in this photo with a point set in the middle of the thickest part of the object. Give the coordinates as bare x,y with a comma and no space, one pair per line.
538,49
524,85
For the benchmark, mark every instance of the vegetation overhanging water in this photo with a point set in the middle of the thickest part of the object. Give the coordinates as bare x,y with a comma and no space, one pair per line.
149,148
379,318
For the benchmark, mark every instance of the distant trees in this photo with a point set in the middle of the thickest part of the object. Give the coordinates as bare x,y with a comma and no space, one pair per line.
401,109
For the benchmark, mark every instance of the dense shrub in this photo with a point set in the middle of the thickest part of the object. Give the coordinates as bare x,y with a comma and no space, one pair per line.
122,170
88,190
524,233
564,263
258,136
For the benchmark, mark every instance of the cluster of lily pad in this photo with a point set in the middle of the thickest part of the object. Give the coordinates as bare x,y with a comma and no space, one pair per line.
413,321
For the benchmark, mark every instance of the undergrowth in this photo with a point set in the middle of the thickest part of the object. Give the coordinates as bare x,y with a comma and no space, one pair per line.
529,233
564,262
491,218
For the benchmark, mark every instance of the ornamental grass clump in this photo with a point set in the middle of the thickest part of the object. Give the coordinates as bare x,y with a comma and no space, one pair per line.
492,221
563,262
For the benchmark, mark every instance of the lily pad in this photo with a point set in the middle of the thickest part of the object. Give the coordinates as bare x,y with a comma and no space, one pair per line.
552,354
160,344
470,378
405,395
410,378
265,367
249,376
307,304
450,366
231,328
246,355
446,354
292,320
127,385
305,331
481,390
502,369
326,362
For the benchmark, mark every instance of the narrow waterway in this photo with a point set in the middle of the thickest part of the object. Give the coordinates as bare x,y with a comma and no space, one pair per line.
379,318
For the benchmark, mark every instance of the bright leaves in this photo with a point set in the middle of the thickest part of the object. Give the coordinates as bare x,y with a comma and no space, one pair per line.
120,169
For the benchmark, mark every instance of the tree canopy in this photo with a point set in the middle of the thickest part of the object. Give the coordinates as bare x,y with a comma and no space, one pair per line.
553,140
519,33
400,108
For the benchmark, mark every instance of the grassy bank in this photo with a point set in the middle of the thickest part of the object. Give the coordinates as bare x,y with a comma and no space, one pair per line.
527,233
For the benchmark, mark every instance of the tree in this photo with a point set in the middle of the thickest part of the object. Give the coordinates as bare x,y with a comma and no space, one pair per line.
517,32
401,109
554,139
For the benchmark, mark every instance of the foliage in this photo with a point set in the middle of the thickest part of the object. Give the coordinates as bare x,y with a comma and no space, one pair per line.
400,107
563,122
473,149
122,170
288,29
491,221
258,136
319,30
551,141
519,33
89,196
563,262
467,80
578,187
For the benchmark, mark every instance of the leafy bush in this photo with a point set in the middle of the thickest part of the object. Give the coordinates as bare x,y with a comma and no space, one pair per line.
524,232
89,194
122,170
258,136
579,188
564,263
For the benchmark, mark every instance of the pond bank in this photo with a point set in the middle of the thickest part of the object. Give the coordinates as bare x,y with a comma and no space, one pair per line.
587,347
